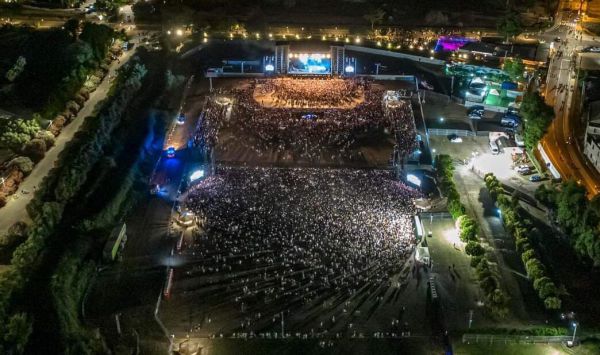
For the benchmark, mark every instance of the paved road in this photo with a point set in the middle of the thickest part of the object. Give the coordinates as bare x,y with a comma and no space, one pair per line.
561,143
15,208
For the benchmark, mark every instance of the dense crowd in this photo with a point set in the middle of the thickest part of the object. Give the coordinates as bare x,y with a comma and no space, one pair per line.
326,133
311,92
287,239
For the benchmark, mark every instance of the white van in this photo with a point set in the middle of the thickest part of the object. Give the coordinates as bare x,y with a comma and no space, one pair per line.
494,148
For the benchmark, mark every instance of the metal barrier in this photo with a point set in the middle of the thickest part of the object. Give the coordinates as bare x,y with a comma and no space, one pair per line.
435,215
513,339
447,132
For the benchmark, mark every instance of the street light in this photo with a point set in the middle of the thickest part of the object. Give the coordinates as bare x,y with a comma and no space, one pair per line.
441,119
574,324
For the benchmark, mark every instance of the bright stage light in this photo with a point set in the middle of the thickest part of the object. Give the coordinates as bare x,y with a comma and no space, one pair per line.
197,175
413,179
349,69
269,67
179,32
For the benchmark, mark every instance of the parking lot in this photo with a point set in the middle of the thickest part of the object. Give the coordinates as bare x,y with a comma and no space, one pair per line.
476,151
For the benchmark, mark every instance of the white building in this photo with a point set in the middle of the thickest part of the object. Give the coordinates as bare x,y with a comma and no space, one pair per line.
591,148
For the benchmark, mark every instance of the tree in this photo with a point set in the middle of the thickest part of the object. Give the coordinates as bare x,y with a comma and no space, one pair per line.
537,116
514,68
17,334
552,303
23,164
509,25
98,37
468,228
546,195
72,26
35,149
539,283
474,249
547,289
15,132
374,16
535,269
527,255
571,204
47,137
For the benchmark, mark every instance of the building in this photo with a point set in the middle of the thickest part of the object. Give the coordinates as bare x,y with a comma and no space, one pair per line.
534,55
591,147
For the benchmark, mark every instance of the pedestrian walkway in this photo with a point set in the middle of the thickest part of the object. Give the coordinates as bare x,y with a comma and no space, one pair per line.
15,209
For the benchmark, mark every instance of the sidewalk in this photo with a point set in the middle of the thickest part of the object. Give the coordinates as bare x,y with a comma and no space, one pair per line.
15,210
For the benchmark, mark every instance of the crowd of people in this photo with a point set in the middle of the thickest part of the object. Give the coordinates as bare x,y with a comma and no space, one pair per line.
301,241
324,133
310,92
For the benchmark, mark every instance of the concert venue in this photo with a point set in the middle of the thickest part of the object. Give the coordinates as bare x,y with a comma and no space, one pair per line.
304,225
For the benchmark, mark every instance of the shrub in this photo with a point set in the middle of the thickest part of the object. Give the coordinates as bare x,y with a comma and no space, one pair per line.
488,284
16,234
527,255
23,164
35,149
475,260
456,208
468,228
552,303
540,282
47,137
474,249
547,289
535,269
498,297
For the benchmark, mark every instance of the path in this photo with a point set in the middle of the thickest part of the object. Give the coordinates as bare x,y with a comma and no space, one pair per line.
15,209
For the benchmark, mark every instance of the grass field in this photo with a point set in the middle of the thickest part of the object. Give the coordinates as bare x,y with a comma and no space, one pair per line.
525,349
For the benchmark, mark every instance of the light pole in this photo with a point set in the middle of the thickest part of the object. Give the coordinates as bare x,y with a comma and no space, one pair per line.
574,331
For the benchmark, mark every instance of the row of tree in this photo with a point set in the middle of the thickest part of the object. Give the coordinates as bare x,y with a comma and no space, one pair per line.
46,209
537,116
522,229
487,275
578,217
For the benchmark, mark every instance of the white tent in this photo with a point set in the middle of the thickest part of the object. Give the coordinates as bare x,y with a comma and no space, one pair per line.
423,255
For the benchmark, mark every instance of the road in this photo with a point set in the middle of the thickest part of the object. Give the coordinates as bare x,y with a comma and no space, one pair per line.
562,141
15,208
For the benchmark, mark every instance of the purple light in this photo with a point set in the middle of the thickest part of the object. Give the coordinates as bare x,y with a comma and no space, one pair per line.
452,43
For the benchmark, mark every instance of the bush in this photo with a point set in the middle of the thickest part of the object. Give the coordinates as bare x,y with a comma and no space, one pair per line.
488,284
456,208
474,249
475,260
535,269
468,228
47,137
23,164
539,283
35,149
547,289
15,132
16,234
527,255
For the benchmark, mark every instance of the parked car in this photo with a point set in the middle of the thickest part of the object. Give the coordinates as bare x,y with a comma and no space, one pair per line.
476,109
454,138
181,118
510,121
535,178
170,152
523,169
